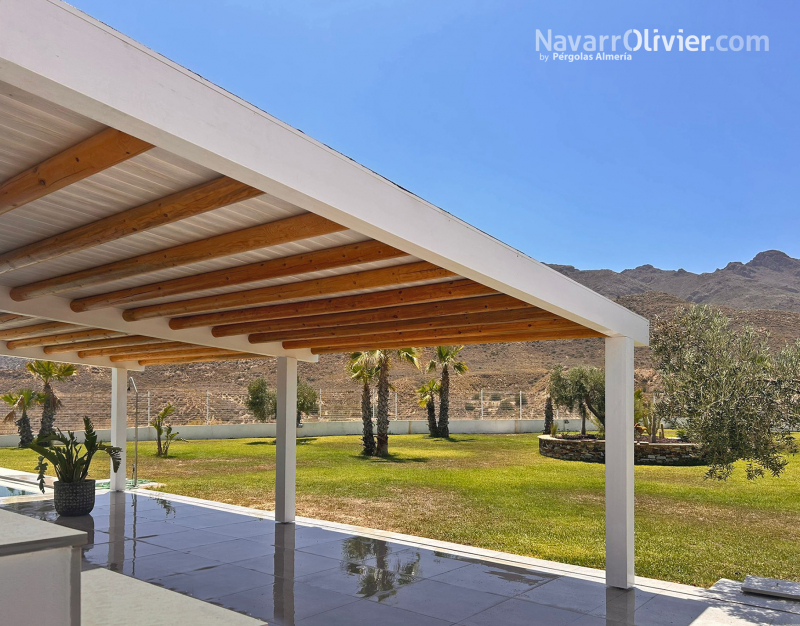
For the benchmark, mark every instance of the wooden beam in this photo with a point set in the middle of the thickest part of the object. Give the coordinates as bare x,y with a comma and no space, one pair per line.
487,339
158,346
234,356
498,302
331,258
46,340
262,236
369,279
169,354
413,337
100,344
7,318
105,149
439,292
462,321
34,329
200,199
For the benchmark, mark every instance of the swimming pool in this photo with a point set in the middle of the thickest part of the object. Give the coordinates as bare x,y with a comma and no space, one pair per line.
6,491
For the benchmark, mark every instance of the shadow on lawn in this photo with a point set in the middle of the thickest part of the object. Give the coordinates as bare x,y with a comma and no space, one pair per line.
392,458
451,439
301,441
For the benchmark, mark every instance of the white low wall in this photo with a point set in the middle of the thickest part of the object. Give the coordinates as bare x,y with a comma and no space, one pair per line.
324,429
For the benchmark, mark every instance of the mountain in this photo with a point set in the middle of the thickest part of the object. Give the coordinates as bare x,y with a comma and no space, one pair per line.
771,280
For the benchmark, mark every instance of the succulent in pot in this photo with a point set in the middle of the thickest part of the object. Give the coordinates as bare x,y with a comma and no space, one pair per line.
73,492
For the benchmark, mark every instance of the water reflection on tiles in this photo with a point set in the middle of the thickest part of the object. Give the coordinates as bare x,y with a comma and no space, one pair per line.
303,574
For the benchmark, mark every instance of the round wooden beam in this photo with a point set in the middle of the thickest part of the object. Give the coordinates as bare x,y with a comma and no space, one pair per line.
331,258
235,356
414,337
369,279
512,319
200,199
35,329
438,292
46,340
498,302
96,344
486,339
169,354
262,236
95,154
7,318
158,346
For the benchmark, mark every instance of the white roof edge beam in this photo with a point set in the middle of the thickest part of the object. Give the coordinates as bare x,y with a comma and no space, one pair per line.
59,53
57,309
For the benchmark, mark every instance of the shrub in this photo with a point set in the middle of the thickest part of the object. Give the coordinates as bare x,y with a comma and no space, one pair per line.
731,394
164,430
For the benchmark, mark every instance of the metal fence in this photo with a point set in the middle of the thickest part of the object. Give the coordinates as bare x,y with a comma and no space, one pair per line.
195,407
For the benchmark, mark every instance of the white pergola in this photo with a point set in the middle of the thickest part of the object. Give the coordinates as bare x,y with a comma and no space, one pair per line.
149,217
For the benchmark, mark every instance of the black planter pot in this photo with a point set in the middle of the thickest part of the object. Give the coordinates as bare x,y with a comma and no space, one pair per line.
73,499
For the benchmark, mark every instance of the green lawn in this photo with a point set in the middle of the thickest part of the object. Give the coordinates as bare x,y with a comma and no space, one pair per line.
497,492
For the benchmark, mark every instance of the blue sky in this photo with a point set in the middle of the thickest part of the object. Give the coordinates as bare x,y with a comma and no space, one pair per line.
675,159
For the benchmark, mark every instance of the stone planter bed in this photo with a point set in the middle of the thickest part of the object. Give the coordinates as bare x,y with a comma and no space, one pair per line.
644,453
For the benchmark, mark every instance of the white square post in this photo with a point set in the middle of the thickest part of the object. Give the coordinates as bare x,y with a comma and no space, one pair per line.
119,423
286,440
619,462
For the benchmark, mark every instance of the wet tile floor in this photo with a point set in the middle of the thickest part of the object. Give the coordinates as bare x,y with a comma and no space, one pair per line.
307,575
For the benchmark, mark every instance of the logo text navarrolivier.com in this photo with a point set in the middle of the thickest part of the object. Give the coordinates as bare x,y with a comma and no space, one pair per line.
633,40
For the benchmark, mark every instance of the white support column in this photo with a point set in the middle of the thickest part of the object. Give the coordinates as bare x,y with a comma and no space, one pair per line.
119,422
286,440
619,462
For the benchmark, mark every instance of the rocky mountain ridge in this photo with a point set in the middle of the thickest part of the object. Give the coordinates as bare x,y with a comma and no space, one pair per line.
771,280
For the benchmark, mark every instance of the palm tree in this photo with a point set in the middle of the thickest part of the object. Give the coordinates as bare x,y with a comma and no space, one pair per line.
384,362
363,369
427,399
22,400
446,357
47,372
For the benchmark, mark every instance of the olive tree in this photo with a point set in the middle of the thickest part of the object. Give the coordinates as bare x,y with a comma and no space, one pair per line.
724,386
307,399
261,401
581,389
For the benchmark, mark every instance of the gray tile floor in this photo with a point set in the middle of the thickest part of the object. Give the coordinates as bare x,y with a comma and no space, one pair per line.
300,574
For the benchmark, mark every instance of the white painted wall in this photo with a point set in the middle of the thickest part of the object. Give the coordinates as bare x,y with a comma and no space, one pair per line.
324,429
39,588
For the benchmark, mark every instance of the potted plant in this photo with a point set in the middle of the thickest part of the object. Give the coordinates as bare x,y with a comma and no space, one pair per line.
73,493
